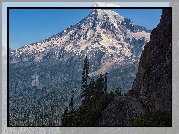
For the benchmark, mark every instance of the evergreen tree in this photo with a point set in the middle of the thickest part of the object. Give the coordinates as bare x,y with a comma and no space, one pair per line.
99,86
105,83
71,102
95,100
64,119
91,88
112,93
118,92
85,77
157,118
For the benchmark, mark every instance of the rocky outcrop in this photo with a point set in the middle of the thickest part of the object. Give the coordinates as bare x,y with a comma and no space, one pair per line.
120,112
153,80
152,88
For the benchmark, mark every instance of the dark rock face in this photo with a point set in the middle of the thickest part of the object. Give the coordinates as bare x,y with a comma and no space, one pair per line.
152,88
153,80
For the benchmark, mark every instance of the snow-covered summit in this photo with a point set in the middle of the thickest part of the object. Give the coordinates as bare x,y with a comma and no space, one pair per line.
99,4
103,33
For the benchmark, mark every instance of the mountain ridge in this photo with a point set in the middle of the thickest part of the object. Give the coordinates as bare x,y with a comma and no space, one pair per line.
102,31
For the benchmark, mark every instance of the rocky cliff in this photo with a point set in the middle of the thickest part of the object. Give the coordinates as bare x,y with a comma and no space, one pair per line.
153,80
152,87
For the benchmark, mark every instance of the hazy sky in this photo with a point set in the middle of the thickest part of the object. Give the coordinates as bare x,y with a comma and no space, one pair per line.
29,25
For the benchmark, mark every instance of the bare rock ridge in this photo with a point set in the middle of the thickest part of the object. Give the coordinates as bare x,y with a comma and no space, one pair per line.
152,88
153,80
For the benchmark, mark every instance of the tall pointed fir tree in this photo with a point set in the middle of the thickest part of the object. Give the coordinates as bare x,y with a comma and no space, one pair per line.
91,90
71,102
65,118
99,86
105,82
85,78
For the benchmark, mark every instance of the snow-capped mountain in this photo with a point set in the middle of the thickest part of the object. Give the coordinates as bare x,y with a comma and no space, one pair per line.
53,67
117,39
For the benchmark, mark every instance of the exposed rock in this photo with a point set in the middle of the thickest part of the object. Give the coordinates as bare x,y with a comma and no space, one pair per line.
152,88
120,112
153,80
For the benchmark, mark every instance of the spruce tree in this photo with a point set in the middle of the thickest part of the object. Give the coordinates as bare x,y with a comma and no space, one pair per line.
118,92
105,82
71,102
99,86
85,77
91,89
65,119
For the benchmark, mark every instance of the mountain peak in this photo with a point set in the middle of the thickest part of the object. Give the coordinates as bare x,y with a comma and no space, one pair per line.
108,14
104,32
99,4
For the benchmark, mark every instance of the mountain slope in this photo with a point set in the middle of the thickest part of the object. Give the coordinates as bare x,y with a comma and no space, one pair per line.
103,31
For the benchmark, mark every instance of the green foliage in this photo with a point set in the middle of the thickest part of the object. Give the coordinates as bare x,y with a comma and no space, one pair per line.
71,102
36,107
91,110
158,118
95,100
91,107
85,78
118,92
43,106
67,117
